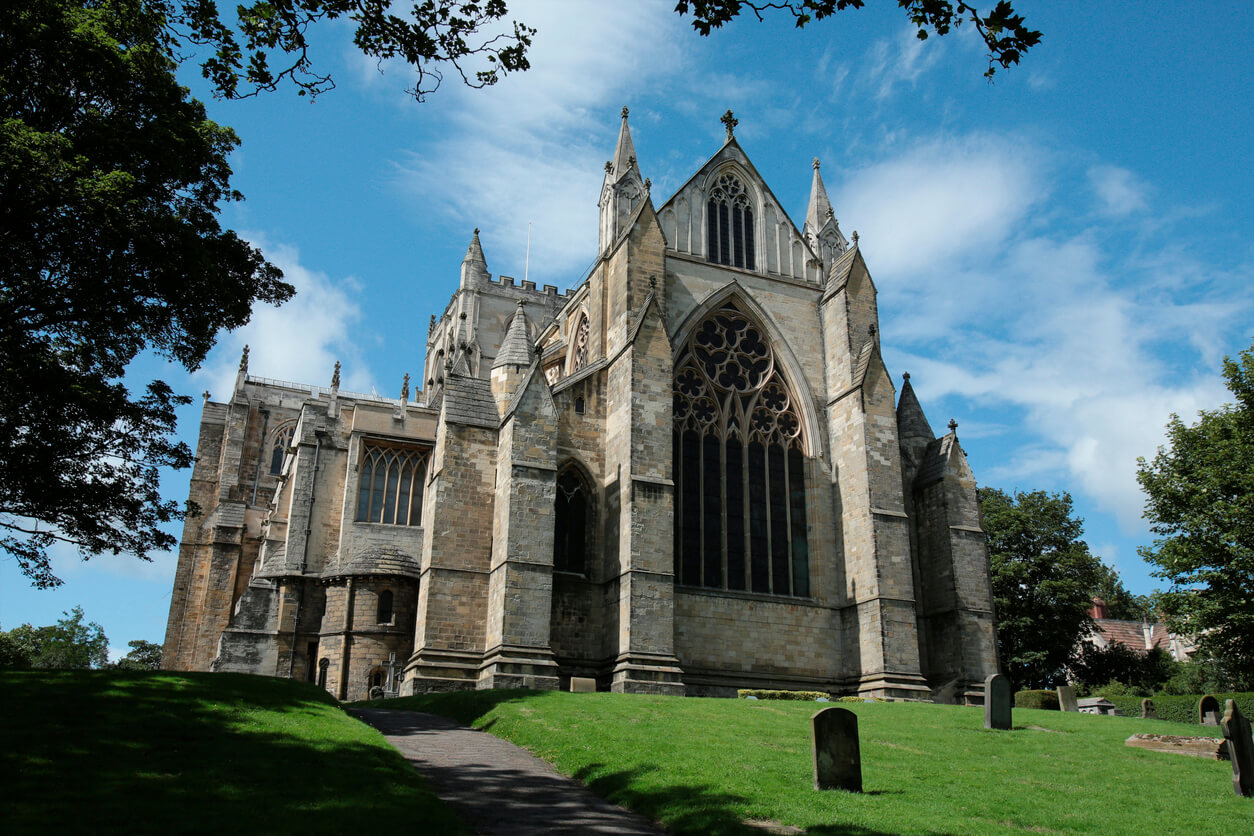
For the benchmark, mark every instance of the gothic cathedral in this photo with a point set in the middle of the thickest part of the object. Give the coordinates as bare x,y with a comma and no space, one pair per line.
687,475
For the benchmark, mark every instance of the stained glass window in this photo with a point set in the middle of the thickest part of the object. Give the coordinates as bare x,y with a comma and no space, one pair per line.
390,489
729,224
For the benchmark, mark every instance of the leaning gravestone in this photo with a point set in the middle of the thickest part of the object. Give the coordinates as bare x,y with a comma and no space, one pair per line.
1240,749
1208,711
837,759
1147,710
996,702
1066,698
582,684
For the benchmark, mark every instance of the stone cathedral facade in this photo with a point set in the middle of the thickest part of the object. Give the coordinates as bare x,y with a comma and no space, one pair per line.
689,474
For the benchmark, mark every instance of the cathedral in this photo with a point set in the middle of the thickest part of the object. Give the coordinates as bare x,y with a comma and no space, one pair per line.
689,474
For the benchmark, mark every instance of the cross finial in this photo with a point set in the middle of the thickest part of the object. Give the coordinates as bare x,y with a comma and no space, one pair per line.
953,425
905,376
405,388
625,112
816,163
243,360
335,376
205,395
476,232
730,122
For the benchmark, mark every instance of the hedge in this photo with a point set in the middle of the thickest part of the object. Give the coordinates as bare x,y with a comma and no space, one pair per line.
1182,709
764,694
1039,699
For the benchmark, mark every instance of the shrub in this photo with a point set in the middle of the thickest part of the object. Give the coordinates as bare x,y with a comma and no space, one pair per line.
1037,699
1181,709
765,694
862,699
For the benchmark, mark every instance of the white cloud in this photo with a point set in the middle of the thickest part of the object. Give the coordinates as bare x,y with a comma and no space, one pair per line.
1119,191
300,340
535,150
900,61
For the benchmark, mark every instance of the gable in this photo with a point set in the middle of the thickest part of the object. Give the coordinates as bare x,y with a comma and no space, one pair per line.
782,249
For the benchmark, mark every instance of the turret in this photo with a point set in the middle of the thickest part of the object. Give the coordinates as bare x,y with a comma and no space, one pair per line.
509,369
474,265
622,191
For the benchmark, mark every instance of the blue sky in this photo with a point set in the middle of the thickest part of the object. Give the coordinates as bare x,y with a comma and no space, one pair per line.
1063,258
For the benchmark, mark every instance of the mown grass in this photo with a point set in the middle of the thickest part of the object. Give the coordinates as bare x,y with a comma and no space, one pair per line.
115,752
707,766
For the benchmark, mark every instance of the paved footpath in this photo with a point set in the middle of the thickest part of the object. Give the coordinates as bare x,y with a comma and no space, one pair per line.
494,785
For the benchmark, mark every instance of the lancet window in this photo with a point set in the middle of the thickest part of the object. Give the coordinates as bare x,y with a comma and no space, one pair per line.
729,224
572,517
392,477
740,516
383,609
282,440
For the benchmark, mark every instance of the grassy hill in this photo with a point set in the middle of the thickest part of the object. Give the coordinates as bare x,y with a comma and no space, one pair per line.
706,766
113,752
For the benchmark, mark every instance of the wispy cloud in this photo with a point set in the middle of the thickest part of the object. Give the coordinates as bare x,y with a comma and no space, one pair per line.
1119,191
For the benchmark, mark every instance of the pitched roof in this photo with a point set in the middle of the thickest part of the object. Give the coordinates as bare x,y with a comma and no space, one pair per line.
911,422
468,400
516,347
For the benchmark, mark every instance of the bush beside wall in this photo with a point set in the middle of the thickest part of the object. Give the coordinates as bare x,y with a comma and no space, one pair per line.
1181,709
764,694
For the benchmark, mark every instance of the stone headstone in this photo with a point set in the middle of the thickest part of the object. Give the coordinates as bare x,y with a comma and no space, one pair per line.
837,758
1208,711
1240,749
582,685
1066,698
1147,710
996,702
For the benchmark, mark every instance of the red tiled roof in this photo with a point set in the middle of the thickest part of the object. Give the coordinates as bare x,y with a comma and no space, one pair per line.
1132,634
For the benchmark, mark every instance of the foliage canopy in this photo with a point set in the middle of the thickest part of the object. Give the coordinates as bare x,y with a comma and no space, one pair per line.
70,644
1200,501
111,178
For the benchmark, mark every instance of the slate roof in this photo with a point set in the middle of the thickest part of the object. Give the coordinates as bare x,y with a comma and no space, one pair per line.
516,347
376,562
468,400
935,461
911,422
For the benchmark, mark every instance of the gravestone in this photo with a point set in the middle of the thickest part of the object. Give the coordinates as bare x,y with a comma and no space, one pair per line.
582,685
1208,711
996,702
1147,710
1066,699
837,759
1240,749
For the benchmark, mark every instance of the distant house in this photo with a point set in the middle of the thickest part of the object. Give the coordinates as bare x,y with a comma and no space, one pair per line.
1141,636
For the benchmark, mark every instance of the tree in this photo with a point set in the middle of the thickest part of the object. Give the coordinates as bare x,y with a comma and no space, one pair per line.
110,181
1043,577
67,645
1145,673
1003,30
144,656
1200,501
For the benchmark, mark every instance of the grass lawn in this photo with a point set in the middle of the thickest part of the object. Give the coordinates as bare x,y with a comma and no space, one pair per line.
118,752
707,765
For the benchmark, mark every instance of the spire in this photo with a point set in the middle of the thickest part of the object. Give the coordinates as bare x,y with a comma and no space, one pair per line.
516,347
624,152
474,265
820,207
911,422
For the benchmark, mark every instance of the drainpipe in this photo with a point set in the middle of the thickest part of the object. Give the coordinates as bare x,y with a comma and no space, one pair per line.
304,555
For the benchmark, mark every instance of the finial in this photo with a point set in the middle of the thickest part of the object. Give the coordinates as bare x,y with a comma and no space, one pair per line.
462,315
335,376
905,376
522,303
625,112
405,389
870,329
609,167
953,425
431,325
648,184
816,163
831,213
205,395
653,282
631,161
476,232
243,360
730,122
855,237
430,382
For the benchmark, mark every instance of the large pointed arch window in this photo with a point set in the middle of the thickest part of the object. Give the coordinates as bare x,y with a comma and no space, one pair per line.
278,448
729,224
392,477
740,516
572,521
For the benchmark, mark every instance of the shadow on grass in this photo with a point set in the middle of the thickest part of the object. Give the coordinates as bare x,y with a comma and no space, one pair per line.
463,706
157,752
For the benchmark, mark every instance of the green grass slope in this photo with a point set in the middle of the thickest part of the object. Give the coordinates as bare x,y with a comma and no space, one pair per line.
114,752
707,765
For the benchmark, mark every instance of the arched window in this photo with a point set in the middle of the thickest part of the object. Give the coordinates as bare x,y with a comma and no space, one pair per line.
384,609
392,477
572,516
740,515
580,357
729,224
282,440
